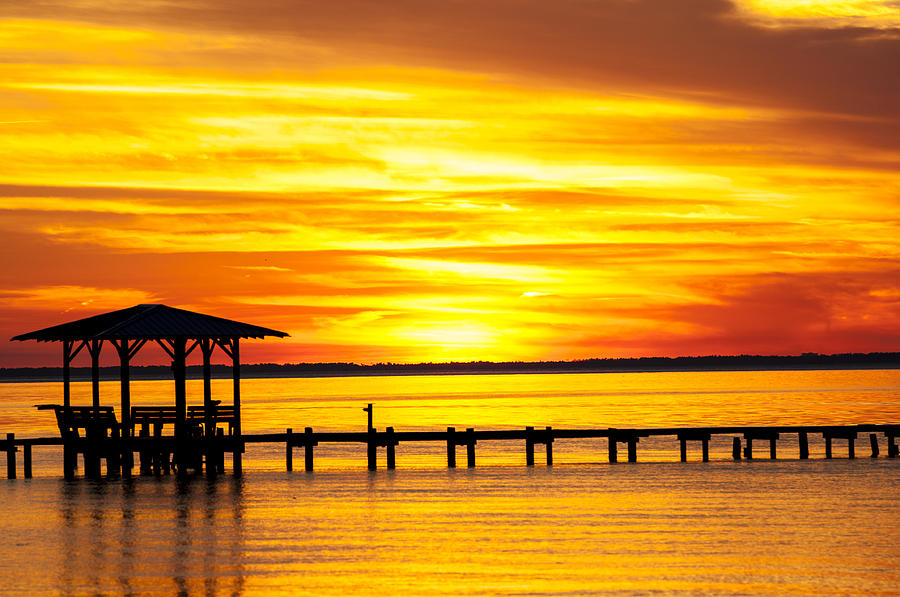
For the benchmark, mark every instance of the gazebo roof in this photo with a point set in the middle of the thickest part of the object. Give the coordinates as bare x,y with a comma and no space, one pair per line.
149,322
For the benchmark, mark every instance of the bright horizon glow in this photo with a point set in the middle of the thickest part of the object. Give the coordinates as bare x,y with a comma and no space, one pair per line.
504,187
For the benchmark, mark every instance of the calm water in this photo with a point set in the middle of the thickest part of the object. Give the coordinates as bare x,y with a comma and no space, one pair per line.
582,527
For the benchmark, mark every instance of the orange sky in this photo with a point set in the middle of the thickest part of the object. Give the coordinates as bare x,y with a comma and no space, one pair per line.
412,181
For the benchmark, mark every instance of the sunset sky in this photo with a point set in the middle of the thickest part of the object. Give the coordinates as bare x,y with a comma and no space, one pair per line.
416,181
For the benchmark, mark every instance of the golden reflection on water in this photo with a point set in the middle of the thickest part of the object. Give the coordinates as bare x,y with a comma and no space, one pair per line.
758,528
721,528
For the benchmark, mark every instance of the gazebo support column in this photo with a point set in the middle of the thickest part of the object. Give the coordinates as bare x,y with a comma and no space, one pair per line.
206,348
67,374
179,356
126,351
94,347
236,373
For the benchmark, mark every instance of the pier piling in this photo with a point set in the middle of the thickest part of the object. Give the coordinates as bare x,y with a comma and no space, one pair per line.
289,450
308,445
470,447
26,460
451,447
632,448
803,441
529,446
549,444
10,455
873,441
613,449
736,448
892,447
391,445
371,449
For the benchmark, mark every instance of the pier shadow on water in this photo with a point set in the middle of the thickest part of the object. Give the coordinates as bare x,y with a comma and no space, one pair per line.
181,536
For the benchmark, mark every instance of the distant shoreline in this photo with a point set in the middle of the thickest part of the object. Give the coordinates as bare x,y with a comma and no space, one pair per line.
808,361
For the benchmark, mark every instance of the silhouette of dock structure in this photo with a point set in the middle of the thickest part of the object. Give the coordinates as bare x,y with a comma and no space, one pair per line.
183,438
199,434
159,455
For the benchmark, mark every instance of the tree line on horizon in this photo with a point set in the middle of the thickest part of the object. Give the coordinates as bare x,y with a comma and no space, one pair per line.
743,361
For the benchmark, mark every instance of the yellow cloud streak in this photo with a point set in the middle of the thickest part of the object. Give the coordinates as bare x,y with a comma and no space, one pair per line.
881,14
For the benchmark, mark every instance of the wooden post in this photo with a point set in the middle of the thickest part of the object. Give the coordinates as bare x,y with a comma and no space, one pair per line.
529,446
470,447
70,459
236,376
179,349
736,448
851,446
370,415
772,454
632,448
892,447
613,448
308,449
705,443
682,441
371,449
10,455
94,350
206,350
549,444
289,450
451,448
827,446
873,441
748,450
67,376
391,445
803,439
26,460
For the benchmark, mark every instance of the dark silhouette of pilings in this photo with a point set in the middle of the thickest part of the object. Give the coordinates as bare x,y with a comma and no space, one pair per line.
155,451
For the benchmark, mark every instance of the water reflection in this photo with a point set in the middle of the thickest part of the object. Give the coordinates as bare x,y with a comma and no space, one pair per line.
172,535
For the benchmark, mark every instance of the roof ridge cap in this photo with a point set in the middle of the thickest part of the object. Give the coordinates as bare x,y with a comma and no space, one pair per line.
139,315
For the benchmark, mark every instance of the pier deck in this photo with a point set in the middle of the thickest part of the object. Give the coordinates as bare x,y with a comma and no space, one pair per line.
208,452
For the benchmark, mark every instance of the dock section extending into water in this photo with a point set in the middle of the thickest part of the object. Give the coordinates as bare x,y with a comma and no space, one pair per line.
159,455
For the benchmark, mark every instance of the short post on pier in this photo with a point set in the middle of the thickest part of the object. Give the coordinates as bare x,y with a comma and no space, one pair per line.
390,446
451,447
26,460
549,443
613,449
529,446
372,449
308,445
289,450
10,455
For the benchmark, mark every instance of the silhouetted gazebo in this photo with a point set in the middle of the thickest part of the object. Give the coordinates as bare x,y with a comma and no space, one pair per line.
177,331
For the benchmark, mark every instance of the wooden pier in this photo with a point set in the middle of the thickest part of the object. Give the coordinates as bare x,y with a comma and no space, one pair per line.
159,455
